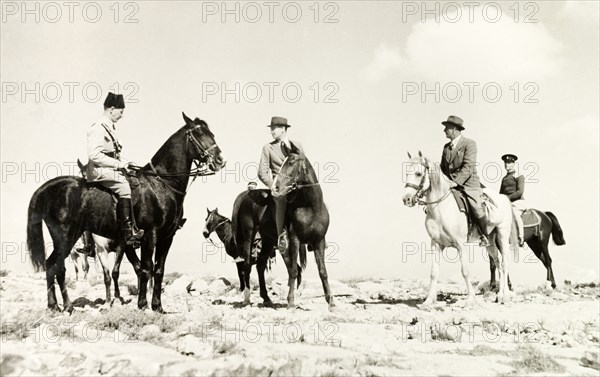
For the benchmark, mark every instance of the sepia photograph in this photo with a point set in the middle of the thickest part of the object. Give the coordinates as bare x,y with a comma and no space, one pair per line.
300,188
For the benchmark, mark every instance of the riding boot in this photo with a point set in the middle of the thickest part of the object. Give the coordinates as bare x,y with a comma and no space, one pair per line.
130,234
282,239
481,225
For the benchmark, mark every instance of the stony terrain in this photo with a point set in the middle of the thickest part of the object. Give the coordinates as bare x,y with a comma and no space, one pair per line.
377,328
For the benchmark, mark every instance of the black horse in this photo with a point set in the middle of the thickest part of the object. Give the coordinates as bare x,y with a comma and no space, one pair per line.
307,214
215,222
537,239
253,211
69,206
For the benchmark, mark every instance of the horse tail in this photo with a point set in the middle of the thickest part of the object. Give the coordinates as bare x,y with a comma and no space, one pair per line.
302,254
557,233
35,237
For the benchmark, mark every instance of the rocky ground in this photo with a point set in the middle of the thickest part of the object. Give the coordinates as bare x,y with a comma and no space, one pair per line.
377,328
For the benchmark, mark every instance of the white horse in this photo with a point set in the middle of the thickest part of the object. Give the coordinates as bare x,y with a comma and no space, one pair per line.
447,226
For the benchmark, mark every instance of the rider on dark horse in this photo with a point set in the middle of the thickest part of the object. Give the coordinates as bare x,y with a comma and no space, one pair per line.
513,186
459,161
271,159
107,167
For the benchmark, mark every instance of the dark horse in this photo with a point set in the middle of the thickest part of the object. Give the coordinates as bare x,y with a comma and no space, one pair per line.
253,211
307,214
215,222
69,207
537,239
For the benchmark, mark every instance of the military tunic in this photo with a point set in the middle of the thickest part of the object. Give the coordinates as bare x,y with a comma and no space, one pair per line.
103,149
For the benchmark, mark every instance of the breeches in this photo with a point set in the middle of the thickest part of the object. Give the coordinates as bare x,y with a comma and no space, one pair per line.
120,187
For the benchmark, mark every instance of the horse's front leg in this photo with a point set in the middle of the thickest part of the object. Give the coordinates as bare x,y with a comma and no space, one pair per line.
145,272
116,272
162,250
292,267
261,265
435,270
493,284
102,255
320,259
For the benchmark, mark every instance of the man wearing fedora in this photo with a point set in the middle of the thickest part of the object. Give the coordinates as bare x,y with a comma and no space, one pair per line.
106,166
459,160
271,159
513,187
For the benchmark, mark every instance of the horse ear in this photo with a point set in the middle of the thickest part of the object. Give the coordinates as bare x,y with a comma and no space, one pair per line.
216,210
207,210
420,154
294,149
409,156
188,121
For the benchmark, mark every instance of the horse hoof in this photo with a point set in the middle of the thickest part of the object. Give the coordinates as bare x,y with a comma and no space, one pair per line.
268,304
158,309
53,308
69,308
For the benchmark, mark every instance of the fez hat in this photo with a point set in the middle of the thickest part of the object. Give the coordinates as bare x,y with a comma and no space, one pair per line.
114,100
279,122
454,121
509,158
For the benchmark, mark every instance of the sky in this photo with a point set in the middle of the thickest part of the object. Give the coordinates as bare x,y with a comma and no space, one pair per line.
361,83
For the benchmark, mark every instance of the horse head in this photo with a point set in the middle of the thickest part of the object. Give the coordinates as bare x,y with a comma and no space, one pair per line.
295,172
416,178
212,221
201,144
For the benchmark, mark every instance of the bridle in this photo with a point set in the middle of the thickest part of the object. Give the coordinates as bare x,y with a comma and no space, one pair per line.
422,192
215,229
295,185
196,172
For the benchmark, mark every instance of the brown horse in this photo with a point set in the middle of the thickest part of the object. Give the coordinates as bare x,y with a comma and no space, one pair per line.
537,239
69,206
308,218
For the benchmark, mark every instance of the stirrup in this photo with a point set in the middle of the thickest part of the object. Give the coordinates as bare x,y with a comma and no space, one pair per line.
282,242
483,241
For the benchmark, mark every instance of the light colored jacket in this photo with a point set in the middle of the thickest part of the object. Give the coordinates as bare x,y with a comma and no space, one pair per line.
271,159
102,167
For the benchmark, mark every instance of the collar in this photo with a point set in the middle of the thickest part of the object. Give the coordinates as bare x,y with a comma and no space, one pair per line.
455,141
108,122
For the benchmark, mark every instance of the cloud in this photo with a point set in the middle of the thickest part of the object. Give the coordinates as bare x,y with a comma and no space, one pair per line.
385,61
581,11
480,51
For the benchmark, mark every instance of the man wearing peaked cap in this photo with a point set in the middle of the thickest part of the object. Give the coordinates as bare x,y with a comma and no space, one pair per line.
106,165
459,162
513,186
272,157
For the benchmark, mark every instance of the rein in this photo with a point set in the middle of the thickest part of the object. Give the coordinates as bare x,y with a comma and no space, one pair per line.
215,229
196,172
420,192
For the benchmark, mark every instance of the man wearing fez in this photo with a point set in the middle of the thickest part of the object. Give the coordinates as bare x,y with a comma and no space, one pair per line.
271,159
513,186
106,165
459,160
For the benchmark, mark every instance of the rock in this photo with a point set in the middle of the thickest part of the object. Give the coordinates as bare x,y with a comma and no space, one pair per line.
219,286
149,332
199,286
191,345
179,286
591,359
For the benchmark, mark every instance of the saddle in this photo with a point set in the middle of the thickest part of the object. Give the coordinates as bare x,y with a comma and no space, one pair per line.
531,221
461,200
132,178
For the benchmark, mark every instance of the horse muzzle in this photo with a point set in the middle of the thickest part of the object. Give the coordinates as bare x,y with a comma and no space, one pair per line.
409,200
